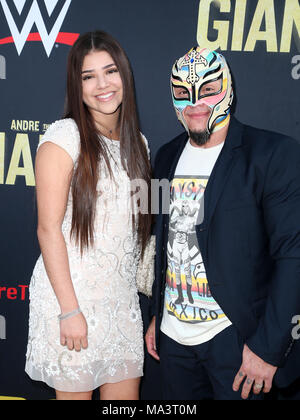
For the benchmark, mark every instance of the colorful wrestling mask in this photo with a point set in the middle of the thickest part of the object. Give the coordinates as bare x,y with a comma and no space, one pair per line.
192,72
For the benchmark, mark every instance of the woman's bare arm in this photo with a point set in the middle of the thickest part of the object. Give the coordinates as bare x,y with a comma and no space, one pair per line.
54,168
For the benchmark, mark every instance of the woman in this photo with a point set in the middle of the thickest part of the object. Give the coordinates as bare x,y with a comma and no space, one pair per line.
90,237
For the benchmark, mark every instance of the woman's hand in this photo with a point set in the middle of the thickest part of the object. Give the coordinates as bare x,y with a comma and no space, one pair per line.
150,340
73,332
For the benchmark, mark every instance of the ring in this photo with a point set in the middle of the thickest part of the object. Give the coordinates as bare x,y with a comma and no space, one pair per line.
249,381
241,374
258,386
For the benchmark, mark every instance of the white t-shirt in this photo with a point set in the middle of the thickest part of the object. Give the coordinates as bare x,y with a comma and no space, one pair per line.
191,314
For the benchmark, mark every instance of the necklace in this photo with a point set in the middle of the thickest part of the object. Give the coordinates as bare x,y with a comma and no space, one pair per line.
108,131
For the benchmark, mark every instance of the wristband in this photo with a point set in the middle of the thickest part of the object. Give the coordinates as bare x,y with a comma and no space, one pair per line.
69,314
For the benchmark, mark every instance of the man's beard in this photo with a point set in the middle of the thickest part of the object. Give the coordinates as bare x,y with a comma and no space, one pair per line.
200,137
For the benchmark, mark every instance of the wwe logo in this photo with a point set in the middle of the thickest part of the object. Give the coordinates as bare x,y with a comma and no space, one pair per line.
35,17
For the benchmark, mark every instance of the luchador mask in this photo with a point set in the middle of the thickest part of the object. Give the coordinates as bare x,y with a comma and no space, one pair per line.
192,72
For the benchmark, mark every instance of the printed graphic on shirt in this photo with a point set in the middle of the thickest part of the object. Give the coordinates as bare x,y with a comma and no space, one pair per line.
187,294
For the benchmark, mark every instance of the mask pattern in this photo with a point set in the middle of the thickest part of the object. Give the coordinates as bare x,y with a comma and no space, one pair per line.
192,73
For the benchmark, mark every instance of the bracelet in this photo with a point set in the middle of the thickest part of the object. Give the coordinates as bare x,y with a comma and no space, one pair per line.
69,314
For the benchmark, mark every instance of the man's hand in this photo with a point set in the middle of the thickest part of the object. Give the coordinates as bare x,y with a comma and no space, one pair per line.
150,340
256,372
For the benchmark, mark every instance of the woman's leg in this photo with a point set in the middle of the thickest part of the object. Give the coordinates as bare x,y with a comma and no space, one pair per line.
60,395
124,390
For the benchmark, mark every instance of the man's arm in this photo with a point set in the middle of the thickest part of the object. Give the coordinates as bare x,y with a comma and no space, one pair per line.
268,347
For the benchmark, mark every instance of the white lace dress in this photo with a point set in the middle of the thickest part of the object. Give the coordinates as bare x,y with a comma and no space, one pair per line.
104,282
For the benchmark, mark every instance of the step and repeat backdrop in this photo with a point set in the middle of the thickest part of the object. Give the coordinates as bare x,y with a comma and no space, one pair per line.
259,38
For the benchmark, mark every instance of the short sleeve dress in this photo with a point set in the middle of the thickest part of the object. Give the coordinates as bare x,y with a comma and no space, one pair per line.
104,279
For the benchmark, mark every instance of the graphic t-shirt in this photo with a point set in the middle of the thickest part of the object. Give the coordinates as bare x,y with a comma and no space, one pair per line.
191,314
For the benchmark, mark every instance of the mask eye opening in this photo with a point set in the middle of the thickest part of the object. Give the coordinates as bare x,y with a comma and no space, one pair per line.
206,83
181,93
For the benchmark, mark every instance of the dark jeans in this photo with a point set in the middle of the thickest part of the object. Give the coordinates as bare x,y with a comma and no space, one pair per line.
202,372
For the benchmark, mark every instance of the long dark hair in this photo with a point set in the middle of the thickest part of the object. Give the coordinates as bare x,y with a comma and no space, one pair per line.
134,156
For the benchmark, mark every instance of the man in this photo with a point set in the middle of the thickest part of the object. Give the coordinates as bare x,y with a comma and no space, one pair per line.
222,312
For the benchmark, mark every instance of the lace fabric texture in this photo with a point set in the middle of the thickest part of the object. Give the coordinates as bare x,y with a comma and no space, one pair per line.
104,279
